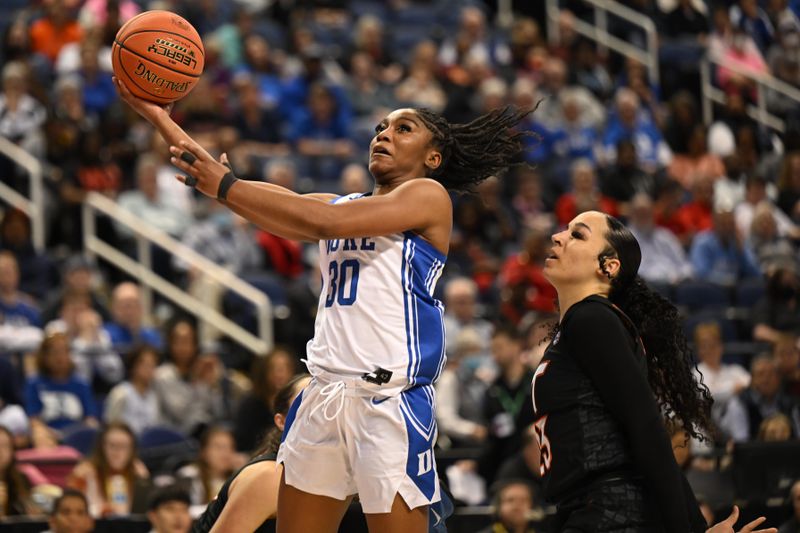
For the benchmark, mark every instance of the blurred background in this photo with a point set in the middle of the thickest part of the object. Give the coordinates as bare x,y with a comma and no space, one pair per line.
127,299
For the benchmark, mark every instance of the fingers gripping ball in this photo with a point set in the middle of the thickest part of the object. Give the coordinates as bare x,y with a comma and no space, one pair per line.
158,55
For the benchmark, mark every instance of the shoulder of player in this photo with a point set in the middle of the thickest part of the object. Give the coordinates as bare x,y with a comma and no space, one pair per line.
425,188
590,310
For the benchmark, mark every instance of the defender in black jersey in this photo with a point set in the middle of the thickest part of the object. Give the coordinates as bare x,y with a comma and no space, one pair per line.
616,363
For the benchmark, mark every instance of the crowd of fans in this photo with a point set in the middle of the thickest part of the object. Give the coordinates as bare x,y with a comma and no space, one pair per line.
292,91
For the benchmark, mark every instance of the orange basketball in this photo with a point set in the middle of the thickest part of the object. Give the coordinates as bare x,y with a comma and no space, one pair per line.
158,55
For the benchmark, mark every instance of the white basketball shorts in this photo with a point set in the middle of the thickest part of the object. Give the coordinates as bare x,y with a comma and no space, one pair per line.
341,439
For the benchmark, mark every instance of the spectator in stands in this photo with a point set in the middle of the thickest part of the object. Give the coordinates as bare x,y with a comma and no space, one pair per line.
524,465
697,162
512,503
56,28
756,193
109,476
71,514
741,52
787,353
789,186
225,239
523,287
458,415
12,414
753,20
146,202
588,70
215,462
683,117
20,321
761,399
793,524
698,213
461,312
79,277
95,360
354,179
37,275
57,398
668,201
189,385
255,415
473,39
624,178
724,381
21,115
508,408
420,87
127,326
257,124
584,196
573,139
775,428
369,96
771,249
134,402
686,23
370,40
15,488
628,122
663,257
97,88
778,310
551,112
168,510
718,255
264,78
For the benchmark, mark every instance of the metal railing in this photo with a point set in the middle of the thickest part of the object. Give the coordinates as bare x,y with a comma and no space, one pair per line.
146,236
764,83
598,32
33,205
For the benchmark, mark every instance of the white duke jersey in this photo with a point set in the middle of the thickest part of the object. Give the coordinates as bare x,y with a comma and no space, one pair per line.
377,310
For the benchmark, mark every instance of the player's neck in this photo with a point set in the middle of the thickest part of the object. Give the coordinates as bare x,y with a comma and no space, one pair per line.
572,294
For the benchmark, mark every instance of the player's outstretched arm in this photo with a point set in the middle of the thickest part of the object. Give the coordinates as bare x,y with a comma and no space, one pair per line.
418,204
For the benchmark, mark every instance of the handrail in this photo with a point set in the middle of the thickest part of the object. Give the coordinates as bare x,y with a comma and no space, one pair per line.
759,111
142,270
598,32
33,206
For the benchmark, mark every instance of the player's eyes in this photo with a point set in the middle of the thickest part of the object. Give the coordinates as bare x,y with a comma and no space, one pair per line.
403,127
380,127
576,234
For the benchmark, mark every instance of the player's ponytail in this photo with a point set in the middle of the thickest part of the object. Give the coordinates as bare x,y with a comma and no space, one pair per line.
669,360
472,152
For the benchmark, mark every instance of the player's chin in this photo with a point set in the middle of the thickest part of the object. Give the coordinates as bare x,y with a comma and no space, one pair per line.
379,165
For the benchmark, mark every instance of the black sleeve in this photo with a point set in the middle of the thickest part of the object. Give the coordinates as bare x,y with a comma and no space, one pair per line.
599,342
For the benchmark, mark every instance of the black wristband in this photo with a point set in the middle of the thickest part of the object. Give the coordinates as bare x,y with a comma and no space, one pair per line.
225,185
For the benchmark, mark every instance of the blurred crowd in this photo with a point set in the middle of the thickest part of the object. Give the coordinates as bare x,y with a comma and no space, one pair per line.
291,91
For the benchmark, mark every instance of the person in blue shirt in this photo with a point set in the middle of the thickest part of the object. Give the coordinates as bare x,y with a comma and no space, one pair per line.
629,122
719,256
573,139
16,308
126,327
56,398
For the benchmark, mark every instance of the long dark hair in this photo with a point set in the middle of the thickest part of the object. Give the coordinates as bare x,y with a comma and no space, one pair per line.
472,152
670,363
100,463
282,403
17,484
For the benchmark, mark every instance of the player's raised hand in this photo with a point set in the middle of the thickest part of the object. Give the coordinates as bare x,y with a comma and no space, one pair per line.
204,172
726,526
150,111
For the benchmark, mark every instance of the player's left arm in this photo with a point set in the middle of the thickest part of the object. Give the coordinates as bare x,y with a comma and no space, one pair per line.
252,499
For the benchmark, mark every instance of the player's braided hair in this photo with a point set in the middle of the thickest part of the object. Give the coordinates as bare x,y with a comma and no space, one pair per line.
472,152
670,366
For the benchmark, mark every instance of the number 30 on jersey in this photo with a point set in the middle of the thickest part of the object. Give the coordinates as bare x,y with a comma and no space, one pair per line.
343,282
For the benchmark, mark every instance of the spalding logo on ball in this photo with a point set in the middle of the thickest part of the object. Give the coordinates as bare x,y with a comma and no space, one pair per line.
158,55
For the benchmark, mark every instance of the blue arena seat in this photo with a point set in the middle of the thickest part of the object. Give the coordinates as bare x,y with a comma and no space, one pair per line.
81,438
726,325
701,295
749,292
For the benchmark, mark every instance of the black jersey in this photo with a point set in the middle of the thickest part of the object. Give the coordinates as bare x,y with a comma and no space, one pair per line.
597,418
206,521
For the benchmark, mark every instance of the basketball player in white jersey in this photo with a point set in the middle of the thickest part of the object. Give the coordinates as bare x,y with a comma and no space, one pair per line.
365,424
